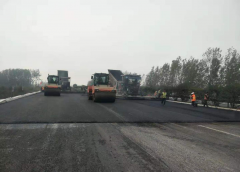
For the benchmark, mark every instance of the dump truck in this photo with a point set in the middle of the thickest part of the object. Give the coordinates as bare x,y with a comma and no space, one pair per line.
99,88
64,80
126,85
52,87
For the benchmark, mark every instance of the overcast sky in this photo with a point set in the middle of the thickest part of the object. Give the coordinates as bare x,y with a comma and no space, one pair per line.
88,36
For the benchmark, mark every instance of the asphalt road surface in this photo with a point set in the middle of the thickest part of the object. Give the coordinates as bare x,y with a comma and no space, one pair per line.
71,133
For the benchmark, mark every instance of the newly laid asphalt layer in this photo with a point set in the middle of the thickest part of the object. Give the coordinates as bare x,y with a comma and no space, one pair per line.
74,108
71,133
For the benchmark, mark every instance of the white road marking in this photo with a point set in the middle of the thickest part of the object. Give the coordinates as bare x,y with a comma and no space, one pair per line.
219,131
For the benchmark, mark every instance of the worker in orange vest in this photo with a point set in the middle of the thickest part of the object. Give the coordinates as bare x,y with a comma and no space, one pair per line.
193,98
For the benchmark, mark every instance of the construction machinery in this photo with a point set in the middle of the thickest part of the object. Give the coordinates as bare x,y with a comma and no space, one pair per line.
99,88
64,80
42,85
52,87
127,86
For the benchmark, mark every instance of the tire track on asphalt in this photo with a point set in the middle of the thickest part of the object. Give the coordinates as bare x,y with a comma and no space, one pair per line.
127,149
113,112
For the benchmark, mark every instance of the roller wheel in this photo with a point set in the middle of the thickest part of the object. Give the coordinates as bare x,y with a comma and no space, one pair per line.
94,98
89,97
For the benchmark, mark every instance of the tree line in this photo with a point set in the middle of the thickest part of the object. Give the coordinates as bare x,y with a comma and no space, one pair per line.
215,73
15,82
19,77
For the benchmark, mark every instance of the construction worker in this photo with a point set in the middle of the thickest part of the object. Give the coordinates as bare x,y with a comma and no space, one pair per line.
206,97
155,94
193,98
164,96
159,92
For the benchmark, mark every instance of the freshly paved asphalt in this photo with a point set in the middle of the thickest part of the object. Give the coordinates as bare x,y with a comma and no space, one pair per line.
75,108
71,133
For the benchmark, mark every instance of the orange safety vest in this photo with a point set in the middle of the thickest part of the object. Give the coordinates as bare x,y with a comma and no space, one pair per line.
193,97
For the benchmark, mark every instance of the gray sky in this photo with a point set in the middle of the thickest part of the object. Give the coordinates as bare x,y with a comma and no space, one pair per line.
88,36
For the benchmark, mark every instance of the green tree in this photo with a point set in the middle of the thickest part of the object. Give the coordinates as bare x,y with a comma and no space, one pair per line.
231,75
213,60
150,78
19,77
164,75
35,75
190,72
175,72
220,76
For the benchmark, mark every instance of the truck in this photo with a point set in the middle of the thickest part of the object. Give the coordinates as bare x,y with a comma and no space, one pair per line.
126,85
64,80
99,88
52,87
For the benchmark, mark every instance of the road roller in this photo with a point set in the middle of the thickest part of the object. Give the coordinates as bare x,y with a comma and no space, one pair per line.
99,88
52,87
